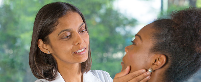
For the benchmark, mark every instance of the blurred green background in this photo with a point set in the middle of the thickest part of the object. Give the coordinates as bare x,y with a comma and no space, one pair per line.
103,20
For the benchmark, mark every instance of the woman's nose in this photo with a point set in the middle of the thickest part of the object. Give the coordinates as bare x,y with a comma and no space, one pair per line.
78,39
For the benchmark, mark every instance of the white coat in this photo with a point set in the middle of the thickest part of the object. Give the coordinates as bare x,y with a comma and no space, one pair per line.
90,76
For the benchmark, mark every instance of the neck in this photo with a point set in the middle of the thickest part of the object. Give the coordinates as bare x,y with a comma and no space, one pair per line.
70,72
157,76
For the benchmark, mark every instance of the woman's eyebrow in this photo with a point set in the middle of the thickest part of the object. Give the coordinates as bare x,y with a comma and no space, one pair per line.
81,25
138,36
70,29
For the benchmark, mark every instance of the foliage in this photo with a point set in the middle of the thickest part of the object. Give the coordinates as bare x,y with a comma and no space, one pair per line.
198,4
16,22
171,8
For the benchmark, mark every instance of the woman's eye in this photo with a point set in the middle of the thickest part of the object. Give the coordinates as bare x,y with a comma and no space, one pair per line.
66,36
82,31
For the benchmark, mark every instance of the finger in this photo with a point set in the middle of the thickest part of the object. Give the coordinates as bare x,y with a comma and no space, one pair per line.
132,76
135,74
145,79
123,73
141,77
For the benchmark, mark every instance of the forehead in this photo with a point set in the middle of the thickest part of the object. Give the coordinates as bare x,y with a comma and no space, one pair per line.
70,17
71,20
147,31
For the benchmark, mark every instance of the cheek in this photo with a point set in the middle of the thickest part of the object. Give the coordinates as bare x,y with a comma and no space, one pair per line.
133,59
128,59
86,38
136,61
63,48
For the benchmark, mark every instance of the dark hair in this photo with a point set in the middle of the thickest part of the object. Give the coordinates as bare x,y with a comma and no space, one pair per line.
179,38
44,66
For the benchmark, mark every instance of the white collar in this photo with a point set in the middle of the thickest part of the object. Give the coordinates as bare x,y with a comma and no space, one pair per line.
87,77
59,78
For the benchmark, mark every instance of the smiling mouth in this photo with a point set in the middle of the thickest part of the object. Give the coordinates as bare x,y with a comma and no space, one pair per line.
80,51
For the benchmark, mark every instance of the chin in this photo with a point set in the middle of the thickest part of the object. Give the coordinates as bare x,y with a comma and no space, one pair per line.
83,59
123,67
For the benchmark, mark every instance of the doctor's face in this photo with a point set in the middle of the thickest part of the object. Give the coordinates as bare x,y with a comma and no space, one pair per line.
138,54
70,40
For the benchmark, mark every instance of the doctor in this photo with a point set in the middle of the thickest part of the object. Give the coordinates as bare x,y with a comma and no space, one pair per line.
60,50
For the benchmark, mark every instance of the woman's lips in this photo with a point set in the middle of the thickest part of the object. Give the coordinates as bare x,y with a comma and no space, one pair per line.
122,63
81,51
122,66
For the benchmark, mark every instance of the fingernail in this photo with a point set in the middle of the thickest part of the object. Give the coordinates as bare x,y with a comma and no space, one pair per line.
127,67
143,70
148,77
148,73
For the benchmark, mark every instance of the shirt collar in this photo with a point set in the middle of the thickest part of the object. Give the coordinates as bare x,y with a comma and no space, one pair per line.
87,77
59,78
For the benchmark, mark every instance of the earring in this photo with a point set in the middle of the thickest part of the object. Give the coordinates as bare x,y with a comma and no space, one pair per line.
150,70
48,52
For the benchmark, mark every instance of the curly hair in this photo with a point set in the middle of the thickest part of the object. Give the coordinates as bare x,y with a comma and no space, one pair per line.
179,38
44,66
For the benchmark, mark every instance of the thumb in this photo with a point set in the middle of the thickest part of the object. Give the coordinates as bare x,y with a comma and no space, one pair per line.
123,73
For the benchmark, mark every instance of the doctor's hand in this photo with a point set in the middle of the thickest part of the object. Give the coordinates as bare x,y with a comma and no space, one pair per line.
137,76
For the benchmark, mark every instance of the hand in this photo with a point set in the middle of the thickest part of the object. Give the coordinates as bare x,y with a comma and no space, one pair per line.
138,76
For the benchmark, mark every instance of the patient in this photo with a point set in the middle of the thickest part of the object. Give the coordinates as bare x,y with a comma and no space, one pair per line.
169,48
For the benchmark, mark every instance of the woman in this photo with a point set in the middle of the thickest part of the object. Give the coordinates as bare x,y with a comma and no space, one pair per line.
60,49
169,48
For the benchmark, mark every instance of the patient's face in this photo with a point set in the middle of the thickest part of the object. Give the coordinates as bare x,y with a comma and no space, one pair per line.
137,55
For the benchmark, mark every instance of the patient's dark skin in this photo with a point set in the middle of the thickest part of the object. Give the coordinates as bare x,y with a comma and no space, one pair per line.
138,54
170,47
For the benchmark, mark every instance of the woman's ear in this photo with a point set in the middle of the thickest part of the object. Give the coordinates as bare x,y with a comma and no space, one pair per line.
43,47
158,61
